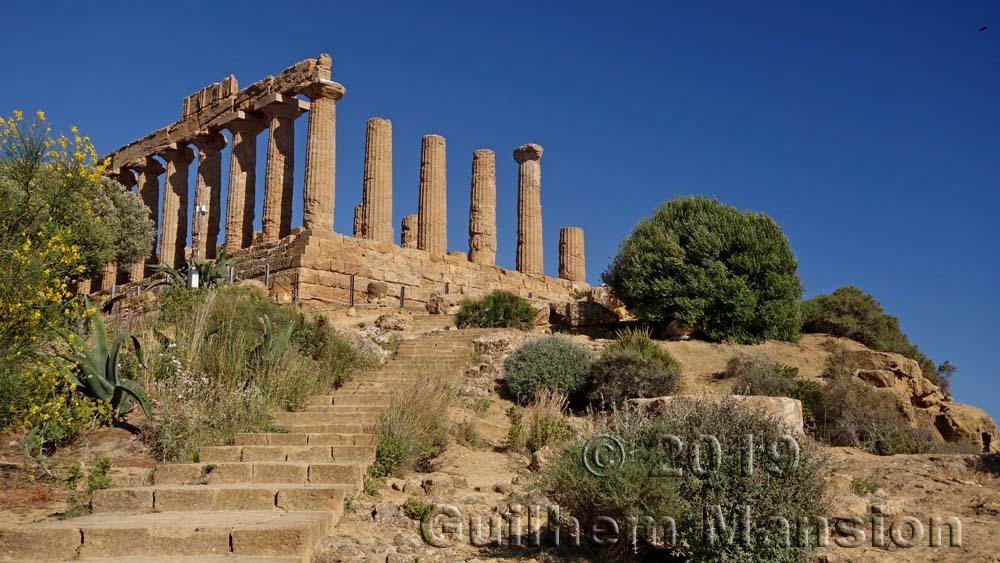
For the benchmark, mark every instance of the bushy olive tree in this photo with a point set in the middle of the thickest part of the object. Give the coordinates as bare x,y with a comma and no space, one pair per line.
727,273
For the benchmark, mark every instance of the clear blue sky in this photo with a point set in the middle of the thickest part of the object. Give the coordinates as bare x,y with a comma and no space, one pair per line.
870,131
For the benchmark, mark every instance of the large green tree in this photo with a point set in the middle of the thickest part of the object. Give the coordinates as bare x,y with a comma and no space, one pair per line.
727,273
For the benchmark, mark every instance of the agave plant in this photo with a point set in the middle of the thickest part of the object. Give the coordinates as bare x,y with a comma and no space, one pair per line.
98,364
265,355
210,272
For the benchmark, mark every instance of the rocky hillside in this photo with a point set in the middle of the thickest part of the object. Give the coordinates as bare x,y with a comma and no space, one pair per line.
917,398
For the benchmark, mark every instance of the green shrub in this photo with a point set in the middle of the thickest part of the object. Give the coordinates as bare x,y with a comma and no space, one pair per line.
854,314
555,363
60,222
414,429
638,487
849,412
417,509
727,273
500,309
633,366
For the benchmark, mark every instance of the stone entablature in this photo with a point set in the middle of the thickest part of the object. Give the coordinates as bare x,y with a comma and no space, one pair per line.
422,263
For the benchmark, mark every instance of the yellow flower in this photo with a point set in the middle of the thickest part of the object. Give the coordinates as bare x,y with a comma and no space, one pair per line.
18,115
41,115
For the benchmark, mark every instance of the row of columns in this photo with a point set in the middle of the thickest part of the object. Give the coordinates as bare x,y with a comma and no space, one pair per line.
277,113
427,229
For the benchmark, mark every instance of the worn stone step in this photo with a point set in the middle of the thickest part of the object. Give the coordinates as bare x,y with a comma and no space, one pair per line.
253,497
271,533
345,409
306,439
334,473
291,419
230,454
328,428
360,399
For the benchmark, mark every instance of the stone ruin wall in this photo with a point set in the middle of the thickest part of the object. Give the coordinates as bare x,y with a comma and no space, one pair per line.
312,262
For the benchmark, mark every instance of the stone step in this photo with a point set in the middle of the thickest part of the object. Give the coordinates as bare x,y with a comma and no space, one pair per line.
202,498
291,419
359,400
334,473
271,533
250,454
306,439
344,409
331,428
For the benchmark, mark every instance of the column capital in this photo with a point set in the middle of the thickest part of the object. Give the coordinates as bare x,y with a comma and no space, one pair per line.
178,153
210,140
240,122
483,153
324,89
280,105
524,153
147,165
123,176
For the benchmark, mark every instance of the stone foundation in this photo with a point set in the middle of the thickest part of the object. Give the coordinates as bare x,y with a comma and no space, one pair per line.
317,267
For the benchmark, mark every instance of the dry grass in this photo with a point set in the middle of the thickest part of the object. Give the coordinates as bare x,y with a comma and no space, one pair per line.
541,423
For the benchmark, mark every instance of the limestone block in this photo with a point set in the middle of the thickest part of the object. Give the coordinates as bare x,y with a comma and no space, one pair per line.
786,411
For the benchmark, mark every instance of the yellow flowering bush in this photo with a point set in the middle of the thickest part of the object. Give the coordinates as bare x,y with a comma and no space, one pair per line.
57,227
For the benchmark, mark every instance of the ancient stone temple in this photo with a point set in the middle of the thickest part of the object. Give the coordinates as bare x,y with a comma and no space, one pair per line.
312,262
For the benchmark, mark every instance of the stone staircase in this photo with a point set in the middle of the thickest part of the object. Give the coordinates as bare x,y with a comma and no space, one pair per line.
270,498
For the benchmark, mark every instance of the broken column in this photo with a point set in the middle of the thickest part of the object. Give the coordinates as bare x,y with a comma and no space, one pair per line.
148,190
408,232
377,195
319,191
529,209
207,194
359,225
572,266
483,208
241,197
279,184
432,233
175,199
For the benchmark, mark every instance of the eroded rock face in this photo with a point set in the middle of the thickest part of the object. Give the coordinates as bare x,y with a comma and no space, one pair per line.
957,422
787,411
897,372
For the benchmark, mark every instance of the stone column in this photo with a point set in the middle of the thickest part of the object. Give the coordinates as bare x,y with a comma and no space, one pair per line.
432,222
408,232
359,221
572,266
241,197
377,195
207,194
529,209
109,276
175,200
279,184
483,208
321,155
148,189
